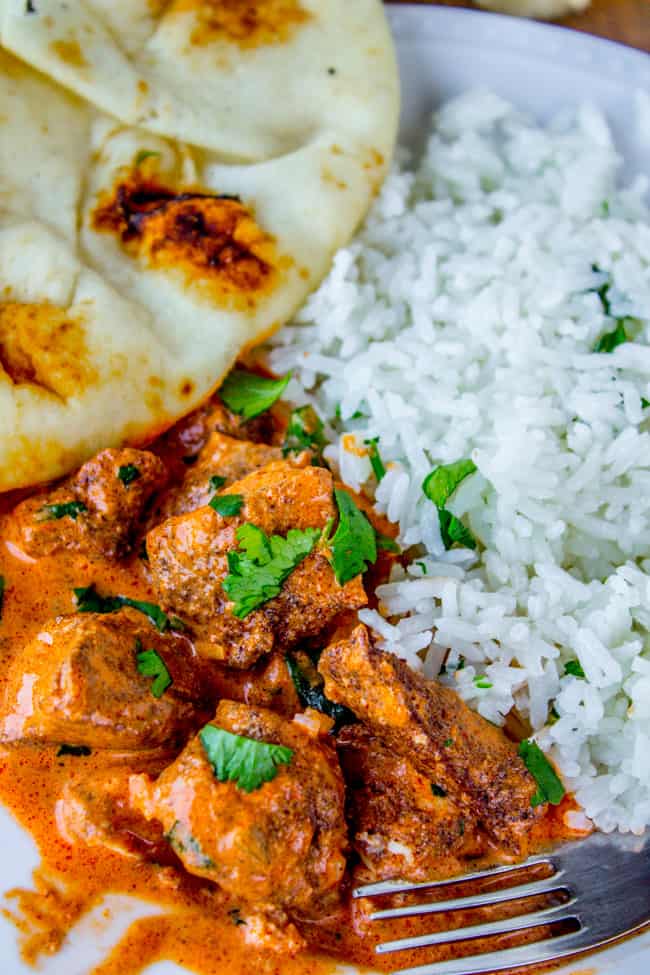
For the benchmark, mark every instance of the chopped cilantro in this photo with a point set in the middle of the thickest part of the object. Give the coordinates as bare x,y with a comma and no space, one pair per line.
69,509
247,762
438,791
461,663
248,394
604,208
151,664
603,290
81,751
611,340
145,154
377,464
90,601
452,530
128,474
573,668
549,786
353,545
227,505
441,483
217,482
423,567
260,566
448,742
645,403
3,587
312,696
304,432
481,682
386,543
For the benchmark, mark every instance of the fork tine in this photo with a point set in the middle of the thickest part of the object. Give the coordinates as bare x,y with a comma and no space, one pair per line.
549,949
396,887
550,885
525,922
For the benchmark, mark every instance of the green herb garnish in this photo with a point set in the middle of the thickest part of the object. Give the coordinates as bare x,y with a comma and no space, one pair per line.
151,664
227,505
353,546
217,482
377,464
186,845
549,786
573,667
482,682
438,791
90,601
304,432
312,696
611,340
645,403
80,751
386,543
248,394
128,474
423,566
439,486
69,509
448,742
603,290
260,566
247,762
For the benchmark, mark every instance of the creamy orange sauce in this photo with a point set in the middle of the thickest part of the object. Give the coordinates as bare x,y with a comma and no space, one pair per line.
200,928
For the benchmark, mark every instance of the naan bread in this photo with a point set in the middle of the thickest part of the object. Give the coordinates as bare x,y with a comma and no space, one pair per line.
135,268
248,79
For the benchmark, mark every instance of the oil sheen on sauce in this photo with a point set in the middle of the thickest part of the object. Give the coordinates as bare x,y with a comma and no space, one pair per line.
199,928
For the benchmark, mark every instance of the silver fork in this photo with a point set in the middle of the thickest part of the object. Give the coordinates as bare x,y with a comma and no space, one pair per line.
605,881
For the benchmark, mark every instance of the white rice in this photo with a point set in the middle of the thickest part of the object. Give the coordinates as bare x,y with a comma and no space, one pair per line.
461,322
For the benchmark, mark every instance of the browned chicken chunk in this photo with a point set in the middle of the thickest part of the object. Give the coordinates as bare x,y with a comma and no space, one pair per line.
279,848
404,825
98,511
454,747
188,558
227,460
78,683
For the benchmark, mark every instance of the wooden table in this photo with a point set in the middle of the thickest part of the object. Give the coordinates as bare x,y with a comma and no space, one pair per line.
627,21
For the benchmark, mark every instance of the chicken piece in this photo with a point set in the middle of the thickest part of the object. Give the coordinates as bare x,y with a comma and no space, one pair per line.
78,683
97,511
226,458
471,759
280,848
404,825
94,809
267,685
188,559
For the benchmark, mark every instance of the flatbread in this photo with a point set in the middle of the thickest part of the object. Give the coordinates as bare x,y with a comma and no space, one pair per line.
248,79
135,268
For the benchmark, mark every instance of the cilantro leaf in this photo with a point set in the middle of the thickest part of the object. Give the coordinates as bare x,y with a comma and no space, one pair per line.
80,751
441,483
603,289
69,509
227,505
3,587
453,531
248,394
611,340
549,786
128,473
151,664
312,696
247,762
217,482
258,569
386,543
377,464
304,432
90,601
573,667
353,545
645,403
481,681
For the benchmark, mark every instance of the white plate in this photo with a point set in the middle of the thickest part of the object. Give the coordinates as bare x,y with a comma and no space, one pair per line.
442,52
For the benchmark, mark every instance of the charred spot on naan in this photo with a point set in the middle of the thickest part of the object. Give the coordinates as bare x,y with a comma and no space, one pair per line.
246,23
69,51
43,345
212,239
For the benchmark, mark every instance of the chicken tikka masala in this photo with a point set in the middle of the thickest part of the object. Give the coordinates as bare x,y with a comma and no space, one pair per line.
192,712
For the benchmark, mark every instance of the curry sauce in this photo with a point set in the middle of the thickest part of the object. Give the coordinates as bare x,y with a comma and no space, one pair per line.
82,793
